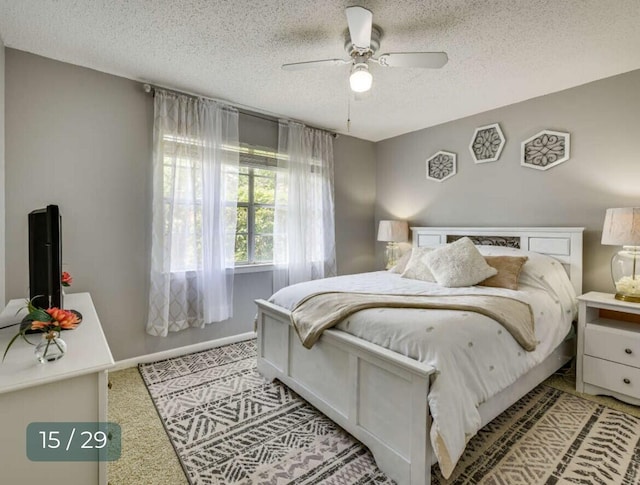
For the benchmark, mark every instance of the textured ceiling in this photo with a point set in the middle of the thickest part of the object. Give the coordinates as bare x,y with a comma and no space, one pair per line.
500,51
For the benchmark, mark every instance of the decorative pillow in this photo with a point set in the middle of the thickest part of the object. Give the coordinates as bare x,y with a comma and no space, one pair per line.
417,268
508,271
458,264
541,271
401,264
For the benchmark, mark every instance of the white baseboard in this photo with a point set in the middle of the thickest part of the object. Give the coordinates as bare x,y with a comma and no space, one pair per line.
188,349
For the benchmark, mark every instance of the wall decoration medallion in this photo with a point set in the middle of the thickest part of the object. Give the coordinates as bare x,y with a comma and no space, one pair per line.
545,150
441,165
487,143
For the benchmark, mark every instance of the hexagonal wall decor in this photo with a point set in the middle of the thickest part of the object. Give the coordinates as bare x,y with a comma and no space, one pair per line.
487,143
441,165
545,150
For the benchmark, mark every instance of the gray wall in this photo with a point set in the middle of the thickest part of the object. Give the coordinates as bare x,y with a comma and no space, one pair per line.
82,139
355,194
2,178
603,171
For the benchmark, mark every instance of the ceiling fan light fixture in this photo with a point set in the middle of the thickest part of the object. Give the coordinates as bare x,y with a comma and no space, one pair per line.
360,79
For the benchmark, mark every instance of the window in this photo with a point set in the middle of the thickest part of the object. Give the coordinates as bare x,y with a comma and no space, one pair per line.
256,206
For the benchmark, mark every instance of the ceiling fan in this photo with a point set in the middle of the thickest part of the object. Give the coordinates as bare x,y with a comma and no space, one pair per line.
362,43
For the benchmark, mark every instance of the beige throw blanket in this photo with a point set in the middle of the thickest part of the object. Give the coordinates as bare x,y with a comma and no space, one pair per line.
320,311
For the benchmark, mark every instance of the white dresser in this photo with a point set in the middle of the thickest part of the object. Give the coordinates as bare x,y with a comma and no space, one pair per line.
72,389
608,354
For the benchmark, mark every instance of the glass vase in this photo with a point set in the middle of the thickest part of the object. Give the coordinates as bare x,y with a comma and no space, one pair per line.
51,347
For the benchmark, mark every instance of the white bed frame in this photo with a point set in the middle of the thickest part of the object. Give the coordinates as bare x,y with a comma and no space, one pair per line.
380,396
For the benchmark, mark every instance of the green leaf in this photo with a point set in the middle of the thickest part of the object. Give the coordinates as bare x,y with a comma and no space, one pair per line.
23,332
30,306
10,344
40,315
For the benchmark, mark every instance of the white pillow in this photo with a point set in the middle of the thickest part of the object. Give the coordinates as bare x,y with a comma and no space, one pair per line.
459,264
417,268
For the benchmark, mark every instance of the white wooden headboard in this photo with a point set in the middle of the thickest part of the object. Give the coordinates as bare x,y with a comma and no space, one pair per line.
561,243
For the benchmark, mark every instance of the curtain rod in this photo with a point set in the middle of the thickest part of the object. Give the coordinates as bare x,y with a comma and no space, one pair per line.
253,112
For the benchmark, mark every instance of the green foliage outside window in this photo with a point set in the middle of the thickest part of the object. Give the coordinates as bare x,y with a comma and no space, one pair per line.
255,215
254,211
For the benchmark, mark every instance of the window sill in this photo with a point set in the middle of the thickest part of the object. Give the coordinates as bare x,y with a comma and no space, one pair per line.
253,268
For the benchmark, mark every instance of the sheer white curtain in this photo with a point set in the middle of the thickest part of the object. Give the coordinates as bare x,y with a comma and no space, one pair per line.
304,227
195,180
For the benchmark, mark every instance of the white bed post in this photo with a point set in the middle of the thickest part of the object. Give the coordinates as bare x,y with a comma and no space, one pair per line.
421,424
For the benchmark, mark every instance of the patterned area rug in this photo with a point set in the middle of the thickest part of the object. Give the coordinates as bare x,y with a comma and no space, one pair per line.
549,437
229,426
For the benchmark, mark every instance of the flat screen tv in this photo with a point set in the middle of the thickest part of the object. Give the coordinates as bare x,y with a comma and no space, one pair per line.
45,257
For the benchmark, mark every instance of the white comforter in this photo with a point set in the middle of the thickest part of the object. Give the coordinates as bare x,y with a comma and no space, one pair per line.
474,356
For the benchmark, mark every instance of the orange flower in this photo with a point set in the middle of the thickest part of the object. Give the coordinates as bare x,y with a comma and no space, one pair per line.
64,319
36,325
66,279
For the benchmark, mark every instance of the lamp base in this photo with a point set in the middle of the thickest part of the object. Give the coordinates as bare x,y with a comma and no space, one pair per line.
391,254
624,271
629,298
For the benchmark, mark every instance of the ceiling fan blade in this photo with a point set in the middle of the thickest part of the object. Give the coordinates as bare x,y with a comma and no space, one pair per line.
360,21
299,66
433,60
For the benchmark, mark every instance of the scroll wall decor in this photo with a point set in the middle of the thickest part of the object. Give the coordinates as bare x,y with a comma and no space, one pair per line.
441,166
487,143
545,150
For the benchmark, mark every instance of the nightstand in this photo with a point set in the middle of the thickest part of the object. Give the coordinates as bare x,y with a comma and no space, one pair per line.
608,354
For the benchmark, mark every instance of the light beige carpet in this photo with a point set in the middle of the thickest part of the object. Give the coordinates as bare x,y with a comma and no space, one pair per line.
148,456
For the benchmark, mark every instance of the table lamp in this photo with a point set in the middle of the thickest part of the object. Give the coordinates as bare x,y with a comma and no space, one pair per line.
393,232
622,228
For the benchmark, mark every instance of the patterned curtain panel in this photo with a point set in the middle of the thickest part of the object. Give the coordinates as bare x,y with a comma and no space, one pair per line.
304,227
195,183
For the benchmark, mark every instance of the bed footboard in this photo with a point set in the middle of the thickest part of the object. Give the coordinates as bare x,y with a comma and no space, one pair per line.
377,395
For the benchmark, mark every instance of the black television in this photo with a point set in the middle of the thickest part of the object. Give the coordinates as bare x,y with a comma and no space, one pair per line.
45,257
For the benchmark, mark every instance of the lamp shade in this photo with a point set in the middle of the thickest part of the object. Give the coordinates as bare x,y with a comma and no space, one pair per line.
393,231
622,227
